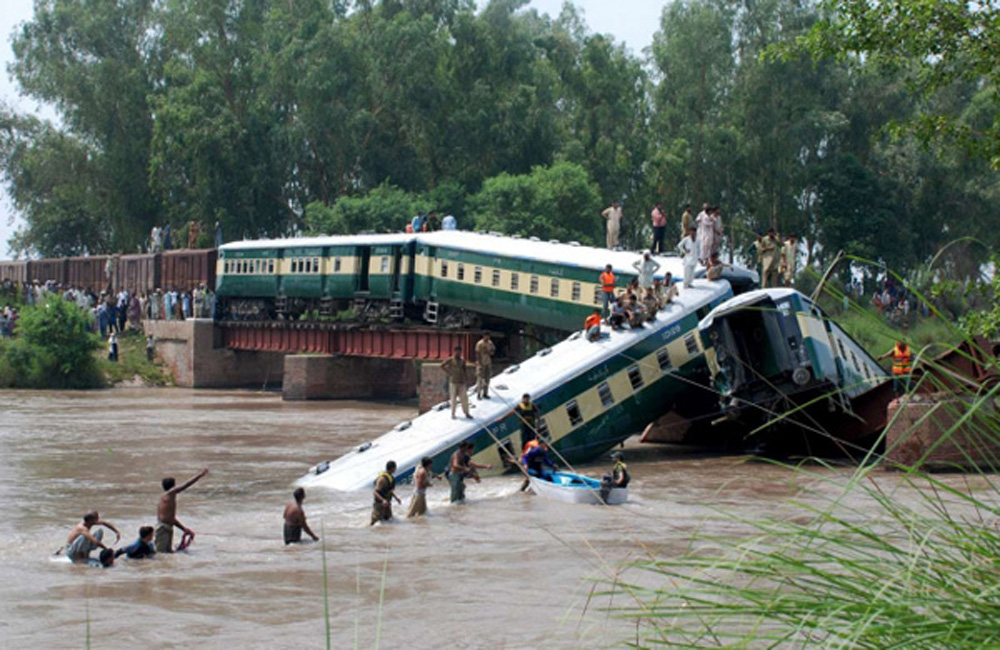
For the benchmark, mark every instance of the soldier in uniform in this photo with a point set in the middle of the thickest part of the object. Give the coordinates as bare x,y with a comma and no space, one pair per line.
484,366
385,492
456,369
770,254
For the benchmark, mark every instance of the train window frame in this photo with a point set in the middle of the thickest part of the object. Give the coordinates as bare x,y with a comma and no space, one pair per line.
336,265
316,265
477,274
270,267
495,280
574,413
576,292
307,265
460,273
444,268
554,288
543,428
854,361
691,343
606,395
664,361
635,378
515,281
597,295
533,285
384,265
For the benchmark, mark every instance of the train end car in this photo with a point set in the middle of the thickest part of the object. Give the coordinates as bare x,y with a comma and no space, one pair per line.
15,271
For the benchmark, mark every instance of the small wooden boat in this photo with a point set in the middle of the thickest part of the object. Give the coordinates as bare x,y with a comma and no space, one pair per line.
575,488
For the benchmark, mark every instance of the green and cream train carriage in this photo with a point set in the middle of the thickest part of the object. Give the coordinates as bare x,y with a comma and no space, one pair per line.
544,283
591,396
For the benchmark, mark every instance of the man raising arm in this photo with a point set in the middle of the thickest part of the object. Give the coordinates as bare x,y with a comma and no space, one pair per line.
166,512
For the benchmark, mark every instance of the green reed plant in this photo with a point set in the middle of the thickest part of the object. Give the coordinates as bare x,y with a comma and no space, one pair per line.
873,559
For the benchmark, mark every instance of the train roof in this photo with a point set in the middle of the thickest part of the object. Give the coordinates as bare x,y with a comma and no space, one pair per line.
745,299
435,432
326,240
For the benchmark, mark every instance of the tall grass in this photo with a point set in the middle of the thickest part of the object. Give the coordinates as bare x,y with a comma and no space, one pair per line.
873,559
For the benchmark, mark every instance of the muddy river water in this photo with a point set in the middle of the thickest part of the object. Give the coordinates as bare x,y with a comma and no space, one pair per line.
504,570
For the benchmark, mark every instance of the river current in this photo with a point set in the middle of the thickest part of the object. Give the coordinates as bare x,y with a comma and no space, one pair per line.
504,570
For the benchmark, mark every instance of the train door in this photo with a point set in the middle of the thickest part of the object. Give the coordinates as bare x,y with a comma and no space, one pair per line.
364,260
397,265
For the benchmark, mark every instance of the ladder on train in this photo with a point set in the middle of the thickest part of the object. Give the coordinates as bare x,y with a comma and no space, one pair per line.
396,311
431,312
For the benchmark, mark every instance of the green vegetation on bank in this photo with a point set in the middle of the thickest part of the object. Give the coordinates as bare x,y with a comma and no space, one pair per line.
132,363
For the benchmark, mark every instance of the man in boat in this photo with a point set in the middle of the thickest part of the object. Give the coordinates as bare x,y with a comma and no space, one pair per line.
166,514
385,492
295,519
902,363
535,460
592,326
619,477
421,481
82,541
457,370
461,466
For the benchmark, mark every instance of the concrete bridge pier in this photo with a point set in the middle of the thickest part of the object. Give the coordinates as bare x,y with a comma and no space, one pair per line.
325,376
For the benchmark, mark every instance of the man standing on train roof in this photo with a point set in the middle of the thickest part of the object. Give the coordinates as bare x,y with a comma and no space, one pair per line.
457,370
592,326
769,252
527,414
295,519
613,216
647,268
484,366
166,514
417,223
218,234
421,481
534,460
688,249
460,467
449,222
902,363
619,477
687,220
607,280
385,492
789,252
659,228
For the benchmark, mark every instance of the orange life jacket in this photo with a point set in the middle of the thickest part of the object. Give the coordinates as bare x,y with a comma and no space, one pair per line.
528,446
608,282
592,320
901,356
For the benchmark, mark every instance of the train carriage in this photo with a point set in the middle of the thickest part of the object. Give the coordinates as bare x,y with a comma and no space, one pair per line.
15,271
47,270
139,273
89,272
187,269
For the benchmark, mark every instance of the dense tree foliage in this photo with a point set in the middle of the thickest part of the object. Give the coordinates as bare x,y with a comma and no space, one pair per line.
337,116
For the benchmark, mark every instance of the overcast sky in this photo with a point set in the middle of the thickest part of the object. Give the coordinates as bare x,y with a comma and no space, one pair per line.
632,21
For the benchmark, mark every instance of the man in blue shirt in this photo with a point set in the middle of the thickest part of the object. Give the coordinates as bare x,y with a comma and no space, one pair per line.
140,548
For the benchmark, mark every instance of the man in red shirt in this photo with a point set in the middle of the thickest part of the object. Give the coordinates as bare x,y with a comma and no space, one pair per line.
659,228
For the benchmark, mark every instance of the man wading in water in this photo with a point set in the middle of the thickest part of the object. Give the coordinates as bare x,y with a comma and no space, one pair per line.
295,519
385,486
166,515
82,540
461,466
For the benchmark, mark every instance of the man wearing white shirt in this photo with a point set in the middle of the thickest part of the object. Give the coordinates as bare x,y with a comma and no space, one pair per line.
688,248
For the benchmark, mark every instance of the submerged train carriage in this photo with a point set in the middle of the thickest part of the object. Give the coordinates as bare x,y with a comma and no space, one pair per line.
591,396
774,351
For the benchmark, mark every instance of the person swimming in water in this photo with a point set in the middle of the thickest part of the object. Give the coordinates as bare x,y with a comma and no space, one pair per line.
82,540
295,519
140,548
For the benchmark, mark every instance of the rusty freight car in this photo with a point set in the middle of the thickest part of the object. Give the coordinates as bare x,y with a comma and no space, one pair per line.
49,269
138,273
15,271
187,269
89,272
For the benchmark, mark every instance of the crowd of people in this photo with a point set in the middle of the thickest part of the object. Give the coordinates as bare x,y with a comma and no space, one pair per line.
430,222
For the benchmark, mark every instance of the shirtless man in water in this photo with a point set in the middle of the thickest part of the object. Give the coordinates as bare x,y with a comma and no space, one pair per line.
295,519
166,513
82,541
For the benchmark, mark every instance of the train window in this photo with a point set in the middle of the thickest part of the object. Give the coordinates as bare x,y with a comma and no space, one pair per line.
515,281
843,354
477,275
315,265
270,267
444,269
635,377
533,287
336,265
243,266
496,278
308,266
577,289
295,266
663,358
854,360
385,265
604,392
543,428
225,267
554,288
461,272
691,343
573,411
597,294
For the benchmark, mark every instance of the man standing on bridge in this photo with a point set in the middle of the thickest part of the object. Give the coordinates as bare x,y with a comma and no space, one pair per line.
484,366
456,368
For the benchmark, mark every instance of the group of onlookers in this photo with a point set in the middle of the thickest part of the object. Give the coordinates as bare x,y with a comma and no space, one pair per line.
429,222
161,239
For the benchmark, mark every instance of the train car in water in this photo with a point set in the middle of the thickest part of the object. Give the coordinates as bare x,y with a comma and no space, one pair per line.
433,276
590,396
779,362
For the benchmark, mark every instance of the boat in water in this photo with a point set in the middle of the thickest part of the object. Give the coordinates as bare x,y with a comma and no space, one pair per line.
575,488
